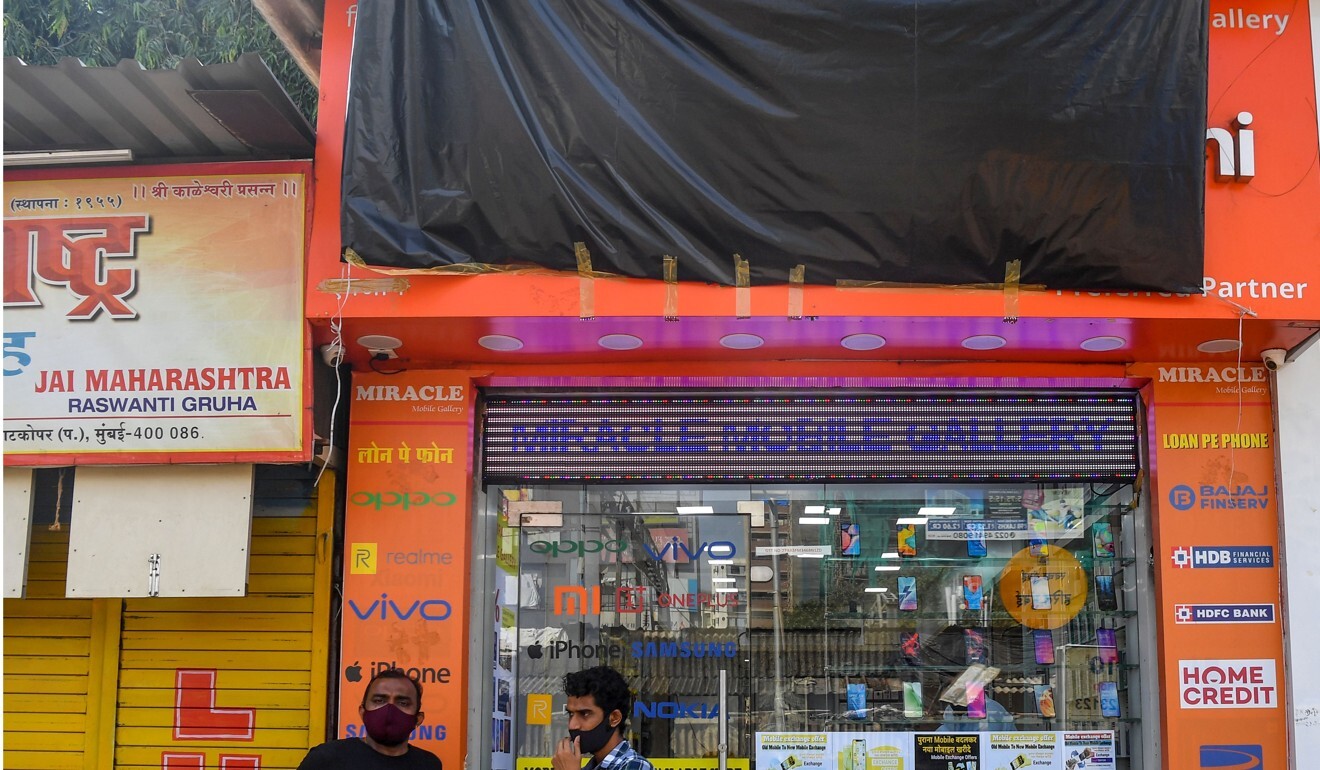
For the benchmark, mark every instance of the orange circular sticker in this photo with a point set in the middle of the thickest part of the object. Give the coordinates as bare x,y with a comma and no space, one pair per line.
1045,589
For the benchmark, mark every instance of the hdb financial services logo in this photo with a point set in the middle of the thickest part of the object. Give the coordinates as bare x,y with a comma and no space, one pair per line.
1221,556
1246,757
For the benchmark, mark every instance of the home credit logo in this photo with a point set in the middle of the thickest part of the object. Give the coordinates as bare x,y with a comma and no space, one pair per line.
1244,757
1208,497
1223,613
1228,684
1220,556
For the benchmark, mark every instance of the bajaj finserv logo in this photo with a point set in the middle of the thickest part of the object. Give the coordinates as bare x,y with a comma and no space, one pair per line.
1245,757
1209,497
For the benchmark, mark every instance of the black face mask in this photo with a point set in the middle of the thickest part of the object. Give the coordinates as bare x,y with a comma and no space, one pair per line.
593,740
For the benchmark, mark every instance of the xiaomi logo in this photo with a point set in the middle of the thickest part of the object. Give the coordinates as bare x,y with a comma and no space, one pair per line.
362,559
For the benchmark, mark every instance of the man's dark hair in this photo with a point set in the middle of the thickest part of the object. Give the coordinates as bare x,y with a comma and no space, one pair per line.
394,673
607,686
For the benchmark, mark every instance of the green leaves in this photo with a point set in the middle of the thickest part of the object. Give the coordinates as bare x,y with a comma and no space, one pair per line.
157,33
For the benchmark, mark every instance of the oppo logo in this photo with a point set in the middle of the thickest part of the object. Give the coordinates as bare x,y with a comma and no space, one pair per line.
402,500
386,608
558,547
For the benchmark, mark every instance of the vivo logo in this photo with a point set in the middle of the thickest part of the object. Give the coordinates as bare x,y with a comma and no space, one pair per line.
672,710
386,608
678,551
1237,152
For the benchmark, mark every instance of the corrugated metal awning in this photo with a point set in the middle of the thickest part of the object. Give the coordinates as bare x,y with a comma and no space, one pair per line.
195,112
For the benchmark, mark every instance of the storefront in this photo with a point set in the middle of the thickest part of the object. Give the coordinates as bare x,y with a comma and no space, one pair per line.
550,471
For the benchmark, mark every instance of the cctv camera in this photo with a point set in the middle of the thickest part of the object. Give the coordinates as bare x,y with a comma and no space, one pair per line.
332,354
1274,358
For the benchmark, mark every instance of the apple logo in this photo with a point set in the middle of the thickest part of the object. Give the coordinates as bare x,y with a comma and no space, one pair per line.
534,651
353,673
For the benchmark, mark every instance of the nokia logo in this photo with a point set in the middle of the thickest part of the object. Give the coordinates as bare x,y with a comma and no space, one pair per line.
672,710
409,393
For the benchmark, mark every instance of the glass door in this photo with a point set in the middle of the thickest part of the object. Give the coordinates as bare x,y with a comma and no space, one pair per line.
652,583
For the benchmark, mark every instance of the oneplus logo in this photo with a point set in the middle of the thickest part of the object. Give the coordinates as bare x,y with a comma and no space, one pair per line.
362,559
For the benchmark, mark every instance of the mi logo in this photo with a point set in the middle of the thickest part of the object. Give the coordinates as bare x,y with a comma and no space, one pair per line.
362,559
1237,154
577,600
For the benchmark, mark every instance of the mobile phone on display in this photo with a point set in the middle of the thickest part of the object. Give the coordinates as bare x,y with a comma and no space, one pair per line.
1044,647
1108,642
912,699
1105,599
976,539
976,700
972,591
907,593
1108,699
1040,593
850,539
1102,540
909,643
1045,700
974,640
907,540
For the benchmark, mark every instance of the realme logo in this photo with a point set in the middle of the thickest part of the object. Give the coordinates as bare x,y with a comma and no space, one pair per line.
362,559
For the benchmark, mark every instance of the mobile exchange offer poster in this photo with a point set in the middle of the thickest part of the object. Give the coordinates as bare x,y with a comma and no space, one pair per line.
1050,750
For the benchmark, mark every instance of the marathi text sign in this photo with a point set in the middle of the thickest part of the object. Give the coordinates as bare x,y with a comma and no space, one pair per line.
156,315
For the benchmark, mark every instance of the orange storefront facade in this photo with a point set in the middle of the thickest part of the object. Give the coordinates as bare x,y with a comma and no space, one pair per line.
439,578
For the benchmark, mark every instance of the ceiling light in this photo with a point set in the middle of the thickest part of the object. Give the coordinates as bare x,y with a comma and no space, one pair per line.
889,555
380,344
876,590
694,509
619,342
834,511
814,509
723,580
813,520
911,520
500,342
717,562
741,341
863,341
984,342
886,568
1101,344
937,511
725,590
810,555
1219,346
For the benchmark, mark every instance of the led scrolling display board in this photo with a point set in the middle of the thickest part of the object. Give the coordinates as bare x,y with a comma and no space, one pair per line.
880,436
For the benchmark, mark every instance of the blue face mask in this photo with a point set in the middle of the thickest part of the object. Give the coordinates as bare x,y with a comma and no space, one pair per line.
593,740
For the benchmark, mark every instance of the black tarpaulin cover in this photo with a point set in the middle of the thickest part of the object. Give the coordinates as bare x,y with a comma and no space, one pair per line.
871,140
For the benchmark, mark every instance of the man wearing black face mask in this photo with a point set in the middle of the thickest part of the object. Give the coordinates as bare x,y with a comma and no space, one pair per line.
598,706
391,708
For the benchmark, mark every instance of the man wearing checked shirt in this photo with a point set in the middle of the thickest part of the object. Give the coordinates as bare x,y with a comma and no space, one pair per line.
598,707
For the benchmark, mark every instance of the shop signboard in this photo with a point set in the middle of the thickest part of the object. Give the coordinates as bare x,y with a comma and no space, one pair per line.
154,314
406,526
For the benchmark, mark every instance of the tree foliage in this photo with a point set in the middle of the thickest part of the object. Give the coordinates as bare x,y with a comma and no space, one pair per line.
157,33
